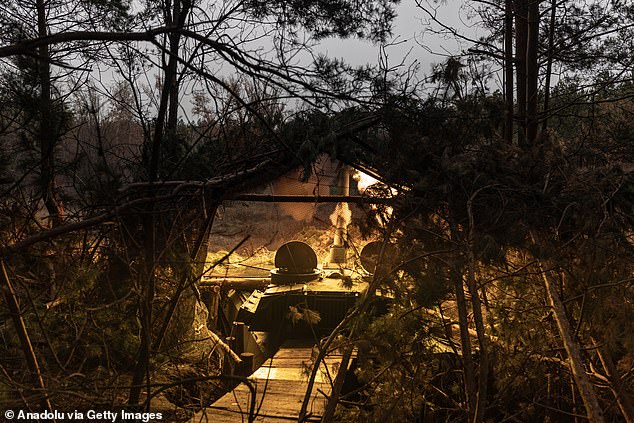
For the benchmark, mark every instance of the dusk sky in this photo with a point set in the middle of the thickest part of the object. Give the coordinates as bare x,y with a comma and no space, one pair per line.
410,35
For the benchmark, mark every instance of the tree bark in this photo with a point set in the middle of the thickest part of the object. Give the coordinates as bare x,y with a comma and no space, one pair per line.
476,306
337,385
47,132
175,16
521,39
465,340
178,19
146,301
532,73
586,391
483,365
549,63
508,71
23,335
623,398
465,345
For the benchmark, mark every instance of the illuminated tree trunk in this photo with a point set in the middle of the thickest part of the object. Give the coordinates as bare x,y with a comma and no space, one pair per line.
586,391
23,335
623,398
478,319
465,340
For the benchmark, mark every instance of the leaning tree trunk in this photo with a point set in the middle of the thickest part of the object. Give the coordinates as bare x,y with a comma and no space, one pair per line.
25,341
337,385
622,396
586,391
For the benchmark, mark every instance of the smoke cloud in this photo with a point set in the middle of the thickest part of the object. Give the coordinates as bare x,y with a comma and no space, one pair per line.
323,176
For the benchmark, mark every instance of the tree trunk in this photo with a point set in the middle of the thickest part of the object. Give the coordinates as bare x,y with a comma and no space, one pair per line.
521,40
483,365
532,73
508,71
623,398
47,132
23,335
146,301
476,306
549,63
465,340
150,221
179,16
588,396
337,385
465,344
